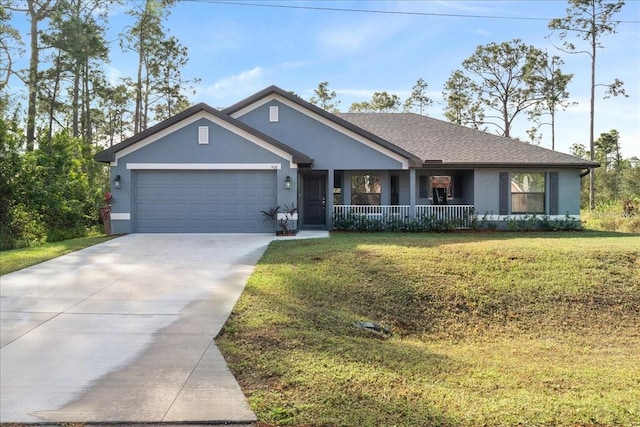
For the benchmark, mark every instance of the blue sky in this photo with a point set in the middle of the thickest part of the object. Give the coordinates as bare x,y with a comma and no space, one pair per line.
236,50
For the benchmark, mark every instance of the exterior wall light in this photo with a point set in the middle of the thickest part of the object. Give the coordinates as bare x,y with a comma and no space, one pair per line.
287,183
116,182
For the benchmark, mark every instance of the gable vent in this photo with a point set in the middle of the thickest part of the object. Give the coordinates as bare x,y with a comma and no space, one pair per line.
203,135
273,114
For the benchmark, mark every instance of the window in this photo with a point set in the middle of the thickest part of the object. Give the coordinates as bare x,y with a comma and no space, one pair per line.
337,188
273,114
527,193
203,135
365,190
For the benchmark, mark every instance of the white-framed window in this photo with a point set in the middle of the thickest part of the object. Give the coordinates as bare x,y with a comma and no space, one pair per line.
528,192
273,114
203,135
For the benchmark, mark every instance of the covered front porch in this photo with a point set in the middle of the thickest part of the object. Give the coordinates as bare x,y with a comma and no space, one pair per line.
395,198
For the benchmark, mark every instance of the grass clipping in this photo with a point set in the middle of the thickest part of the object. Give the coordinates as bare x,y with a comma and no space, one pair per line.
487,329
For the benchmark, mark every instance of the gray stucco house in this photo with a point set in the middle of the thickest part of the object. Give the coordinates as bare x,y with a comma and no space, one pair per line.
205,170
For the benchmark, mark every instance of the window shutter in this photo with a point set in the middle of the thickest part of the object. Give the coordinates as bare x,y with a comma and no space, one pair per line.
553,194
504,193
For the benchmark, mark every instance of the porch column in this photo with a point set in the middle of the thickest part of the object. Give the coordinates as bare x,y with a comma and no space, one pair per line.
346,188
329,198
412,193
385,196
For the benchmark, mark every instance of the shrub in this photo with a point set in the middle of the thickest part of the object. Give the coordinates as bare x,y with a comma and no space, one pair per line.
620,215
25,229
391,223
364,223
50,193
58,234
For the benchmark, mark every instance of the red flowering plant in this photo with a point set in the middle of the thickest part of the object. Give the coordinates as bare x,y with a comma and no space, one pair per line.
105,212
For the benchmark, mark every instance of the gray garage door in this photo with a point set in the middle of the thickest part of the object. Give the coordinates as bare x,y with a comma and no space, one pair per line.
203,201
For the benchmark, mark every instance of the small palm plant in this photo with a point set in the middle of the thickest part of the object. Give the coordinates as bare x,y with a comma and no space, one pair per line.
282,222
271,214
291,211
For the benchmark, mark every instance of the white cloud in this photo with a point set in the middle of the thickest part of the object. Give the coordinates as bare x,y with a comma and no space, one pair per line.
483,33
113,75
296,64
355,36
235,87
346,40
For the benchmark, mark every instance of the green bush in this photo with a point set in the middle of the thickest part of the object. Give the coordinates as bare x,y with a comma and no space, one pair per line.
620,215
58,234
538,223
49,194
25,228
363,223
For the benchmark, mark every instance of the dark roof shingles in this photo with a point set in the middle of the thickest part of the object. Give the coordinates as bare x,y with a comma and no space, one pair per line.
433,139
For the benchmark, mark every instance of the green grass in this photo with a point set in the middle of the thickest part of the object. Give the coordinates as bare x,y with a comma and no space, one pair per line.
17,259
488,329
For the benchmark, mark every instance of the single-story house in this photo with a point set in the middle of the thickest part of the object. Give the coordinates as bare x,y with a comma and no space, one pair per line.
205,170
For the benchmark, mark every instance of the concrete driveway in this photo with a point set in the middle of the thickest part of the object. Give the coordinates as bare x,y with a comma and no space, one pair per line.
123,331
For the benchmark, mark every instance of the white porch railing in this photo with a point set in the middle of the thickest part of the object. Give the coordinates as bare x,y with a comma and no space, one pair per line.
374,212
460,215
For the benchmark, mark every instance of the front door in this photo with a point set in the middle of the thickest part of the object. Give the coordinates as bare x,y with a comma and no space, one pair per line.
314,200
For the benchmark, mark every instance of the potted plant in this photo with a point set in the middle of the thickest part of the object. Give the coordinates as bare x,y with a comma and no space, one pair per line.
105,213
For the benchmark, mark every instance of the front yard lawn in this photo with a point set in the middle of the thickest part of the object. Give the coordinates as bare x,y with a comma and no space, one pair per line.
488,329
17,259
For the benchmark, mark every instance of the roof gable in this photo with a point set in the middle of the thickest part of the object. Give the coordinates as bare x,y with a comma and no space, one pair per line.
334,121
189,116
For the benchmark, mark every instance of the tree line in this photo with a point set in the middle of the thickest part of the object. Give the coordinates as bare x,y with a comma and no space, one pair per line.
51,187
618,178
65,79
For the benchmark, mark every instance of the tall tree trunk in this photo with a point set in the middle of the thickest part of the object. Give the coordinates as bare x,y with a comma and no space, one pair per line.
553,129
75,102
592,149
145,114
138,110
138,125
33,80
86,103
54,95
505,117
36,16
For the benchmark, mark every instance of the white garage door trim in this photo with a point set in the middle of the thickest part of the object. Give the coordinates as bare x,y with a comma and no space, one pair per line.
204,166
